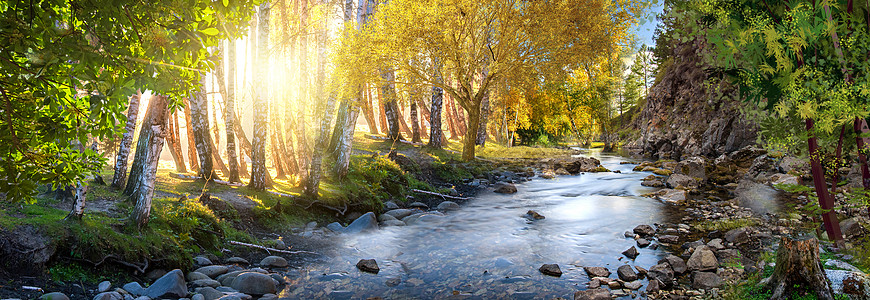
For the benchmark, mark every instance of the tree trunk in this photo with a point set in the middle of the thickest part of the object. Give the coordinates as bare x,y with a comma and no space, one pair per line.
276,155
415,123
340,120
451,120
345,142
826,202
402,123
304,96
147,174
325,111
229,109
862,145
423,116
369,113
484,116
381,113
798,269
79,197
391,108
461,124
244,147
435,133
126,141
470,138
175,144
261,103
154,115
191,145
201,136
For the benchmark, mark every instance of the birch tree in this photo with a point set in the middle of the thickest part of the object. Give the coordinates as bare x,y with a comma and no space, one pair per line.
120,176
261,102
201,136
229,108
143,174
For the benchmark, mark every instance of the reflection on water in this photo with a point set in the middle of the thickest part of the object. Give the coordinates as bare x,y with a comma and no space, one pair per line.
489,250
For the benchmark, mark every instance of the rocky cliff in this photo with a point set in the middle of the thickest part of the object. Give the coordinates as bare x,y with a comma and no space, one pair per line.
690,112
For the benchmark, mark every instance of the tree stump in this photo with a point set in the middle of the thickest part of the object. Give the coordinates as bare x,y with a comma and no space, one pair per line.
798,269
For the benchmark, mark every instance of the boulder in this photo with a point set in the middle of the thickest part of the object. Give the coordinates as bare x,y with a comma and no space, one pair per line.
706,280
274,262
202,261
210,293
633,285
54,296
550,269
642,242
777,179
239,261
662,273
533,215
680,180
562,171
400,213
109,296
205,283
851,228
737,236
104,286
703,259
368,265
227,279
136,289
335,227
390,205
626,273
154,274
854,284
505,188
170,285
726,255
366,222
644,230
677,264
671,195
393,222
652,287
447,206
716,244
692,167
593,272
253,283
692,245
385,217
197,297
592,294
631,252
419,205
213,271
668,239
548,174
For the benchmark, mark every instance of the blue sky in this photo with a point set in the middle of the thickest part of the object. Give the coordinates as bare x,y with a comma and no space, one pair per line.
645,31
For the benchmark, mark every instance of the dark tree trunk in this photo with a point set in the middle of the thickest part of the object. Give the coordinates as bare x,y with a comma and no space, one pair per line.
191,145
435,134
422,115
826,202
415,123
381,113
120,176
151,138
451,120
175,144
261,103
862,144
276,156
369,113
244,147
391,107
484,117
798,267
402,123
471,133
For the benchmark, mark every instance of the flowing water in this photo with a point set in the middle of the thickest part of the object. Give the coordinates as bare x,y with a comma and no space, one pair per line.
489,250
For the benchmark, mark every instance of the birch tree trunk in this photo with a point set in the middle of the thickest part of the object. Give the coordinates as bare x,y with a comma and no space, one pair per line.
79,197
277,158
325,110
140,159
191,145
201,136
337,131
229,109
391,108
304,96
484,116
415,124
261,103
126,141
381,114
153,133
435,133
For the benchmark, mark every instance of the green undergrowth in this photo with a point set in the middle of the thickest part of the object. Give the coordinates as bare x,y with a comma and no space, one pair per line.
725,225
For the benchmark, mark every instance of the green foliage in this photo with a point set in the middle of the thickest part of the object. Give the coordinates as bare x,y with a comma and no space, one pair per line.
373,180
73,272
726,224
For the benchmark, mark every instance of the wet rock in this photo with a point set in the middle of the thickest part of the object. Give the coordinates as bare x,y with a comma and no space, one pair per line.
197,297
631,252
692,245
238,261
109,296
670,195
642,243
737,236
629,234
531,214
633,285
447,206
54,296
594,284
550,269
656,183
777,179
212,271
419,205
401,213
392,282
386,217
548,174
668,239
205,283
136,289
626,273
703,259
210,293
677,264
393,222
368,265
653,287
269,297
254,284
663,273
706,280
641,272
390,205
227,279
104,286
644,230
202,261
680,180
505,188
335,227
597,272
170,285
562,171
366,222
854,284
716,244
274,262
592,294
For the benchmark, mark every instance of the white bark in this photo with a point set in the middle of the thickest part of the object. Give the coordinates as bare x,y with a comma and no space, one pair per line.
126,141
261,103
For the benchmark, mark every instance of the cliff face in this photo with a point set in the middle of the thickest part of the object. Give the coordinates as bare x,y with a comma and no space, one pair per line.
690,113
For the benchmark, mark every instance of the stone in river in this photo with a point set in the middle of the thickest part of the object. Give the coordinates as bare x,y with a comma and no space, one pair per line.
447,205
644,230
597,272
592,294
678,265
366,222
631,252
642,243
505,188
626,273
368,265
550,269
274,262
669,239
703,259
531,214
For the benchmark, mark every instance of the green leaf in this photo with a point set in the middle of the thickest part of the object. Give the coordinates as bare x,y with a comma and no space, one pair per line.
210,31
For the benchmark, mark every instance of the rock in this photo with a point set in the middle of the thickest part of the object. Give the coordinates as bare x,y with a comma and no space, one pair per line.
54,296
239,261
851,228
677,264
421,218
777,179
366,222
368,265
447,206
692,245
656,183
269,297
533,215
668,239
644,230
212,271
104,286
170,285
390,205
592,294
706,280
548,174
634,285
136,289
227,279
210,293
505,188
392,282
419,205
626,273
670,195
716,244
205,283
652,287
597,272
385,217
631,252
226,289
841,265
726,255
550,269
198,297
703,259
594,284
274,262
193,276
663,273
109,296
680,180
641,272
854,284
154,274
389,223
692,167
642,243
202,261
335,227
737,236
253,283
400,213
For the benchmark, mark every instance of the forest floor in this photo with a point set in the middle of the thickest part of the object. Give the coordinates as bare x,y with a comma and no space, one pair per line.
54,254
